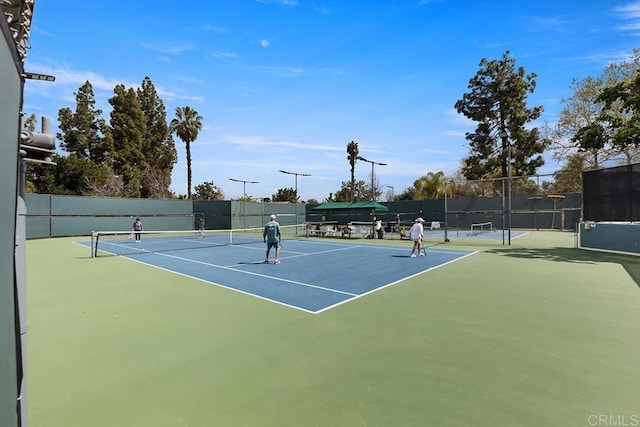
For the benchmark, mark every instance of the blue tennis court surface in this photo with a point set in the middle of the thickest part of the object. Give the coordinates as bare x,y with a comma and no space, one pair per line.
313,276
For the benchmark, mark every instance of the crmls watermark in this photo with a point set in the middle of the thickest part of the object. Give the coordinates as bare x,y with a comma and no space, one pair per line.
611,420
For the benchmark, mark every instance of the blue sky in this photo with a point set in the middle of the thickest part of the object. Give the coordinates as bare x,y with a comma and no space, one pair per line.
286,84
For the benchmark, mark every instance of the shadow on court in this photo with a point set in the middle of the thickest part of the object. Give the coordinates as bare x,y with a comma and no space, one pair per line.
576,256
571,255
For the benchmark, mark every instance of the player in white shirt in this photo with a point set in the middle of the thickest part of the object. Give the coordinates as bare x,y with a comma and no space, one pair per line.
416,232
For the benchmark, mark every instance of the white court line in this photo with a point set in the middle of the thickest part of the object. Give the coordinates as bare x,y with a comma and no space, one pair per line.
251,273
392,283
352,295
200,279
300,254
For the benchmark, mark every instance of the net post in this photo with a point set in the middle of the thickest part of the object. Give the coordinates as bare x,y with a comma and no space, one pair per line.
94,243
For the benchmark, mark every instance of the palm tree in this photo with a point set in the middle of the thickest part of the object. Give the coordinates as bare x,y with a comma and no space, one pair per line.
430,186
352,150
187,125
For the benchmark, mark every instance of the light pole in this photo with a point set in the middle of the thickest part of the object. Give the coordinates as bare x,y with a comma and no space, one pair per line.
373,192
446,212
504,135
244,184
296,174
244,190
296,189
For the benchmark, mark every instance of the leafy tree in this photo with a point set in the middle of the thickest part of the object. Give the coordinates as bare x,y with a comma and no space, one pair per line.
83,132
128,128
208,191
578,123
482,188
352,151
430,186
187,125
408,194
285,195
583,123
157,143
30,123
107,184
143,153
523,186
313,201
569,178
361,192
592,138
376,192
475,188
497,102
71,175
621,113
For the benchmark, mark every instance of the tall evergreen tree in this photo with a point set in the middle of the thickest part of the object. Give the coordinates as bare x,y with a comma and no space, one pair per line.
128,127
497,102
157,144
83,132
187,124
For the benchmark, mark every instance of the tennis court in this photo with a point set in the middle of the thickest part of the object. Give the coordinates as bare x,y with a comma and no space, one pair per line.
537,333
314,275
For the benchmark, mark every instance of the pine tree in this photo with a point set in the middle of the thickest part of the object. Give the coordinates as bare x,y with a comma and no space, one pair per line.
128,127
158,146
497,103
83,132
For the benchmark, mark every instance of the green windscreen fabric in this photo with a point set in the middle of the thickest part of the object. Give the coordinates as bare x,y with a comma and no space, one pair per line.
11,96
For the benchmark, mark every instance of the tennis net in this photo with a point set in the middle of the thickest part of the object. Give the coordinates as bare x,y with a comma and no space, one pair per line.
482,227
127,243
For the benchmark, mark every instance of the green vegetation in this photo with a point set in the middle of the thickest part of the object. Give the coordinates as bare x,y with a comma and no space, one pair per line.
132,155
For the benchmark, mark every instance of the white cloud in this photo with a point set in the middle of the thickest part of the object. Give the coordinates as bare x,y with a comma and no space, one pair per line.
630,12
459,119
264,42
226,56
68,81
632,9
64,76
219,29
258,141
169,50
283,2
322,9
